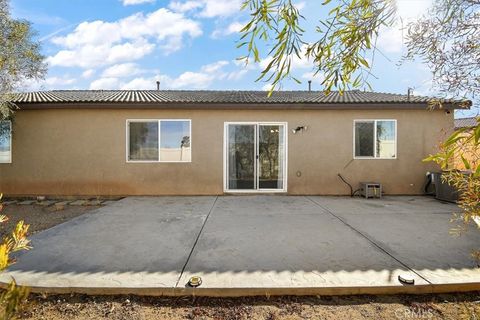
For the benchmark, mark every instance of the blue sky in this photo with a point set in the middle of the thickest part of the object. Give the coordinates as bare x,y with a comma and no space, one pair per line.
186,44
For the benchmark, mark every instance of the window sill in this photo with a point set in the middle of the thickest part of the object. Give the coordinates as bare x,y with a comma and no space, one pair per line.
158,162
368,158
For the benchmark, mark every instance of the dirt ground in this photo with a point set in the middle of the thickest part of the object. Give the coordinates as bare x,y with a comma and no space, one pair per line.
445,306
39,217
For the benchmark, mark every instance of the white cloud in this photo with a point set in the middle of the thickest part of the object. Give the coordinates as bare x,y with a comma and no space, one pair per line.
161,24
49,83
178,6
99,43
391,40
315,78
129,51
296,63
264,62
411,9
241,63
207,8
145,83
312,76
121,70
133,2
88,73
105,83
215,8
201,79
267,87
237,75
235,27
425,88
214,67
194,80
91,56
301,68
90,33
232,28
59,81
300,5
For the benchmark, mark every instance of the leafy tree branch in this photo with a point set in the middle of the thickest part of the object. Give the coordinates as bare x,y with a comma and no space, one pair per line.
20,57
346,38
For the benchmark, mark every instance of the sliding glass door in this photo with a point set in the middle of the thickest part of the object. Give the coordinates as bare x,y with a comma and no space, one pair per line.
255,156
271,156
241,157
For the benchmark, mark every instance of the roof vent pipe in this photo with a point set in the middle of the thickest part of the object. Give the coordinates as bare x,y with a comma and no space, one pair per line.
409,93
158,85
309,85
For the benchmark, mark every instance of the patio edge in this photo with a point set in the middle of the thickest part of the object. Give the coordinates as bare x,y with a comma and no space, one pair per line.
244,292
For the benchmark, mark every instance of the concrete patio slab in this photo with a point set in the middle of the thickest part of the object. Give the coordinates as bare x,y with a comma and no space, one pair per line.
248,245
135,242
419,236
285,243
392,204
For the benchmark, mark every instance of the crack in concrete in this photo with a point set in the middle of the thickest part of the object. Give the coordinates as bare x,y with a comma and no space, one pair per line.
368,239
196,240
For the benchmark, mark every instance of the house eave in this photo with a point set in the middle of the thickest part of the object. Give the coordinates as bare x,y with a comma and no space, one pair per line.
234,106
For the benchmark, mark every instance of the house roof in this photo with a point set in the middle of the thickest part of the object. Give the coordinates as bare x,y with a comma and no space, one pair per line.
465,122
169,97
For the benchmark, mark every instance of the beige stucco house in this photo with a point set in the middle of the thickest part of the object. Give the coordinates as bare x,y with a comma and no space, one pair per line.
216,142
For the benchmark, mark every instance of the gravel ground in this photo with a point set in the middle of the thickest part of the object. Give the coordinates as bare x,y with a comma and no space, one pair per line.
39,217
445,306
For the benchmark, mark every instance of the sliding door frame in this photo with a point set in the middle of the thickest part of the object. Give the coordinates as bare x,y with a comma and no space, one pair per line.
256,183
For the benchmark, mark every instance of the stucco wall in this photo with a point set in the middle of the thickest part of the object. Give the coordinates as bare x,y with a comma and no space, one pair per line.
82,152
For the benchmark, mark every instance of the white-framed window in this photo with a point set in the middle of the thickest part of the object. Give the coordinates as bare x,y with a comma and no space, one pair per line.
159,140
375,139
5,141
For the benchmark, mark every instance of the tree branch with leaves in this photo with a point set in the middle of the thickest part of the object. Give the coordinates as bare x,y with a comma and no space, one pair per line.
346,40
20,58
20,61
447,39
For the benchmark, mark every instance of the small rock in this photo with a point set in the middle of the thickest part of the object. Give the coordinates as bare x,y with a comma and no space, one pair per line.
27,202
94,202
62,203
46,203
78,203
59,206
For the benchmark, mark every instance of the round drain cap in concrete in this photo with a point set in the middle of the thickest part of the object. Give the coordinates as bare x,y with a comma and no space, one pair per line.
194,281
406,279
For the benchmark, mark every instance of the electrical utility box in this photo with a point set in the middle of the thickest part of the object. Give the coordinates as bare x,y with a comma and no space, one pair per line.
371,189
444,191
